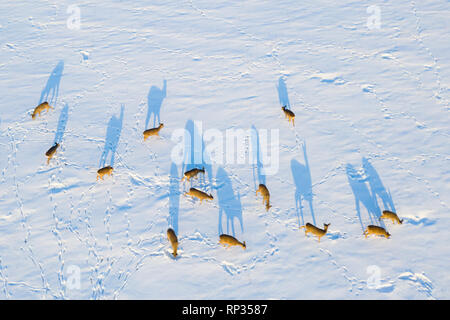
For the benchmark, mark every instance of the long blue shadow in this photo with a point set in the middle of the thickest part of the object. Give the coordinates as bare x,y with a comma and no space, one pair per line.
228,203
154,100
174,198
50,92
303,187
112,138
62,122
258,169
362,195
283,93
376,186
194,156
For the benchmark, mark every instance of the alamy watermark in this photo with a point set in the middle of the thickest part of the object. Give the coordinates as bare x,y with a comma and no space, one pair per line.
73,281
374,279
374,20
234,146
74,20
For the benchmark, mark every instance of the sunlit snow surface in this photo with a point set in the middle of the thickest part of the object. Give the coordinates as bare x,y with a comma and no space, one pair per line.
371,133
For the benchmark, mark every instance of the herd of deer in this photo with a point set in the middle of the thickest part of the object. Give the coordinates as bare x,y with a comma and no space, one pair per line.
224,239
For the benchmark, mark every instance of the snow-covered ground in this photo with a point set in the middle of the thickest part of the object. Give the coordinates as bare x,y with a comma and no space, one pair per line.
371,133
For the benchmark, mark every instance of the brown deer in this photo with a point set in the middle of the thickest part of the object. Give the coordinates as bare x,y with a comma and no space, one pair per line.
192,173
173,240
199,194
289,114
227,240
50,152
153,131
391,215
265,194
314,230
103,171
376,230
43,106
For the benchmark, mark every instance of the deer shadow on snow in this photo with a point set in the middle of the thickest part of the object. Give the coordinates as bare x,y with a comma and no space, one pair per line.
50,92
229,203
366,185
194,155
303,187
174,198
257,169
62,122
283,94
112,138
376,186
154,100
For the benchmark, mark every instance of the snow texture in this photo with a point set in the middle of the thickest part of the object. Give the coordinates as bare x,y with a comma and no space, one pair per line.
371,133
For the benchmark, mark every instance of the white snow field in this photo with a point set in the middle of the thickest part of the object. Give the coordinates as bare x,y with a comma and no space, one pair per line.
368,82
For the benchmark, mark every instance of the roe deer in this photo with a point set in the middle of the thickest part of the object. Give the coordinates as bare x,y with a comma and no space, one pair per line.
391,215
316,231
266,195
289,114
106,170
50,152
192,173
226,239
173,240
43,106
377,231
199,194
153,131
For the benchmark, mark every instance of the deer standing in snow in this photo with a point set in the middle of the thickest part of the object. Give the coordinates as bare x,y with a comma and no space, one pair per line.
50,152
376,230
391,215
227,240
173,240
103,171
289,114
265,194
199,194
153,131
192,173
43,106
315,231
